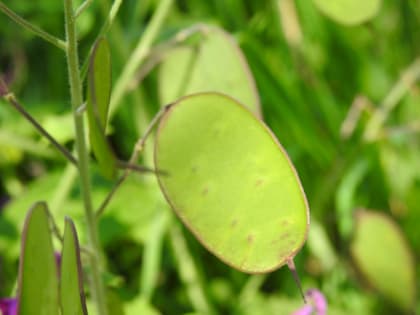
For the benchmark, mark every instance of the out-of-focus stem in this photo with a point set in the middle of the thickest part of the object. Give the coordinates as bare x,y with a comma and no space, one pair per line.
32,28
407,79
139,54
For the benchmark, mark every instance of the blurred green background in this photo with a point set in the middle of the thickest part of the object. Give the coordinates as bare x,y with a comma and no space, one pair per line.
343,100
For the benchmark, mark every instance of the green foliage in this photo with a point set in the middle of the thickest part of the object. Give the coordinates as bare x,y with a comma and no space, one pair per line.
48,284
38,274
349,12
338,88
72,297
233,186
122,218
98,97
198,67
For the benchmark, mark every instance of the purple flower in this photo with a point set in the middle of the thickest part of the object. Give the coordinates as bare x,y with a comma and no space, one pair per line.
8,306
57,256
317,304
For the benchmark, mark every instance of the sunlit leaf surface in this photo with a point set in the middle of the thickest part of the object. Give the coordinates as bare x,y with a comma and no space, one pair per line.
38,277
231,183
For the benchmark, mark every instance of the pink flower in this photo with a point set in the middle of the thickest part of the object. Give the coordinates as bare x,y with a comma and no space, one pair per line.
305,310
317,304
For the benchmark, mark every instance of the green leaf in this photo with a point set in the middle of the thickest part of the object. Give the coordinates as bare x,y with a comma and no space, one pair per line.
98,96
190,69
382,255
231,183
71,284
349,12
121,219
38,278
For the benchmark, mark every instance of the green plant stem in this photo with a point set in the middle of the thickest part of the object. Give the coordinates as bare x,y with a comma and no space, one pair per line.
97,286
188,272
152,257
32,28
408,78
248,292
292,268
139,54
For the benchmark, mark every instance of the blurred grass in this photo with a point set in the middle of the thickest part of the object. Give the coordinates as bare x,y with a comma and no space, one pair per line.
309,71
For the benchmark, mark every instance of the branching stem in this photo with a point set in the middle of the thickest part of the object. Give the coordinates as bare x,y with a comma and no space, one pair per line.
138,148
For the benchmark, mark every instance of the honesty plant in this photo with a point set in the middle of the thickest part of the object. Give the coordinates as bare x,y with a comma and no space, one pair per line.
219,166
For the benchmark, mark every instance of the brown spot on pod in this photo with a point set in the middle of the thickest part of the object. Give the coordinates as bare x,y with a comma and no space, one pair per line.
259,182
284,236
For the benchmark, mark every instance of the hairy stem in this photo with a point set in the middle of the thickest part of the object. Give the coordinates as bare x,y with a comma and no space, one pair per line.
32,28
96,284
